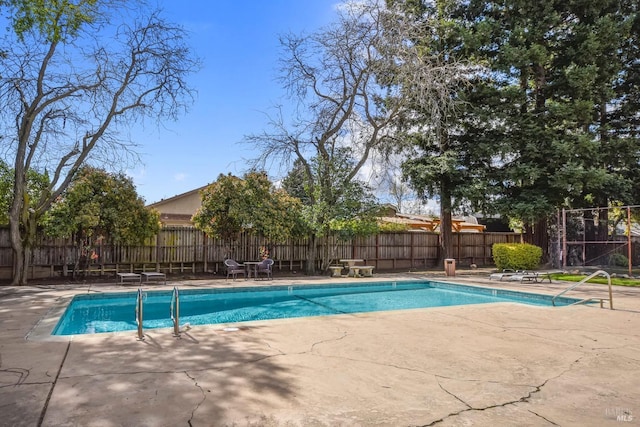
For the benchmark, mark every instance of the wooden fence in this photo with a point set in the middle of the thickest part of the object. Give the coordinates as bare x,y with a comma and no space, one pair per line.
182,249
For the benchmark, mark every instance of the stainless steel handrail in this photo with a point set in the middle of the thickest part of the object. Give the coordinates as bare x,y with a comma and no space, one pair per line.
175,315
591,276
139,314
590,299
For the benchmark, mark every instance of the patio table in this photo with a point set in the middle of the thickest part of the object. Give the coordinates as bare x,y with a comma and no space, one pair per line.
252,266
350,262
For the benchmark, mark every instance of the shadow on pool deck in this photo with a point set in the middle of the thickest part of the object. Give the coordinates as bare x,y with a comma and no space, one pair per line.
492,364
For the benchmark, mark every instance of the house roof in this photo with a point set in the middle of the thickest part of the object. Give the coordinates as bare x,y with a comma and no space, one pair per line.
176,197
426,223
179,209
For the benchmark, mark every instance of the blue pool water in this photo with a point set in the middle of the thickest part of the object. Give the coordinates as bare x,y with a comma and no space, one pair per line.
114,312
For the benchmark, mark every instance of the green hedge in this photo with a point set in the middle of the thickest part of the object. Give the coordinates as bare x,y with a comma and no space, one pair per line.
516,256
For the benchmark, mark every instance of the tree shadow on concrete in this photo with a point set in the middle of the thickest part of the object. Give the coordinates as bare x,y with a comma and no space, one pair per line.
206,375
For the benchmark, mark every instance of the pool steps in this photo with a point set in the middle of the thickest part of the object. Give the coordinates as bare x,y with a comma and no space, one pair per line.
174,312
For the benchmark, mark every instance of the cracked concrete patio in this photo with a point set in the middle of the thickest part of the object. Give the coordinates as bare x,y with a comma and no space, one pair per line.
490,364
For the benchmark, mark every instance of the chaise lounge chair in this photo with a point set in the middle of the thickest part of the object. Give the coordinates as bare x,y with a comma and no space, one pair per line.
535,276
528,276
506,273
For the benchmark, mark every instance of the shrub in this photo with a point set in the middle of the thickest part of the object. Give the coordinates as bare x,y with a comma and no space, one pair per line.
618,260
516,256
390,227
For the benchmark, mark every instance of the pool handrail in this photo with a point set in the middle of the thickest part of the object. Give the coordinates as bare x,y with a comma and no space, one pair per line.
139,314
175,298
591,276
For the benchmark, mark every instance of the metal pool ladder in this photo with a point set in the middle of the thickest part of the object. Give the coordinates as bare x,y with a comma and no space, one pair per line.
175,314
139,315
586,300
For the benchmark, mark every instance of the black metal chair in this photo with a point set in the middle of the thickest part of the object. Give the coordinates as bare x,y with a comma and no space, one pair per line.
265,268
233,269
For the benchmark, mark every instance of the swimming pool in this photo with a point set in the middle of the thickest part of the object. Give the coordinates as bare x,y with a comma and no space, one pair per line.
113,312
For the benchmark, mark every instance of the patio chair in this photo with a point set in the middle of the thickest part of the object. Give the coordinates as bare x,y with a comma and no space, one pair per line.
233,269
265,268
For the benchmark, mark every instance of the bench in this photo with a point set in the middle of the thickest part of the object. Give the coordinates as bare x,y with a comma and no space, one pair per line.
366,270
154,275
336,270
128,276
361,270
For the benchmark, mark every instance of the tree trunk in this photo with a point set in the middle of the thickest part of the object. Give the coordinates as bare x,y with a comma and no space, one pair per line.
446,235
325,257
312,254
538,234
19,259
22,242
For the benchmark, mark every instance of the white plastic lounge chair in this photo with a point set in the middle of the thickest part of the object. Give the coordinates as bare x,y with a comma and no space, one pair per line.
505,274
535,276
546,274
531,276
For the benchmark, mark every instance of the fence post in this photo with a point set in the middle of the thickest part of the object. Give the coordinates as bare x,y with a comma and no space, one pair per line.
629,252
564,238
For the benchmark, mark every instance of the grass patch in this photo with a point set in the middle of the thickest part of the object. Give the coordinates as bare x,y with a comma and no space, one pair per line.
617,281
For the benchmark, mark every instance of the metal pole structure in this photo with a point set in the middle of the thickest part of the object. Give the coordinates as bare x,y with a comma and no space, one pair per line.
564,238
584,239
556,261
175,315
629,251
139,315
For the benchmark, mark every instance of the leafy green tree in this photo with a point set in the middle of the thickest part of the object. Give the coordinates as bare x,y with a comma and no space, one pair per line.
36,183
99,203
6,187
333,205
75,75
100,206
233,205
345,79
295,183
440,163
552,120
549,104
54,19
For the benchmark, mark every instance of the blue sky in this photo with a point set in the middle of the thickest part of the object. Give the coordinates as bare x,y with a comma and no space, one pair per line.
238,44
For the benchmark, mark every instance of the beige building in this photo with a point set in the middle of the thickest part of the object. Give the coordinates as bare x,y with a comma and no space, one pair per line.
178,210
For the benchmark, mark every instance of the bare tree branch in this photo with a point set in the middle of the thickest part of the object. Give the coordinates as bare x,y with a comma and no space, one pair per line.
69,99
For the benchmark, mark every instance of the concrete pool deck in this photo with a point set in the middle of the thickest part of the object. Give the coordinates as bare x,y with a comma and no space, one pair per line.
483,365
